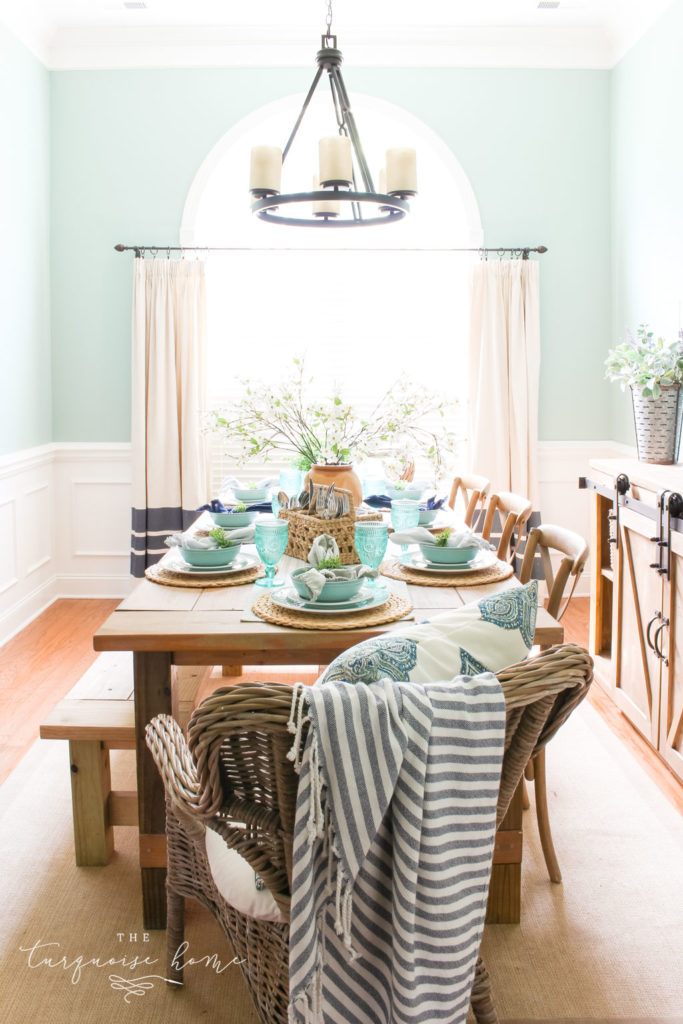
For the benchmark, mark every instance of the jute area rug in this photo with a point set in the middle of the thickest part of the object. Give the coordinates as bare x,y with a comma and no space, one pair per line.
605,945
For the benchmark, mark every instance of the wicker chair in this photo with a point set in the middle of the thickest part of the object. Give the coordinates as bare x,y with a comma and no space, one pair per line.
474,490
542,540
513,511
234,769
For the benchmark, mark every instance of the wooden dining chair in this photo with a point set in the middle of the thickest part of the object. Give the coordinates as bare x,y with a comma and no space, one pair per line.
560,578
474,490
233,776
513,512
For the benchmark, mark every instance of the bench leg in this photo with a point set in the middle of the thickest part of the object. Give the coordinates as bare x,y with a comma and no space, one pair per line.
90,788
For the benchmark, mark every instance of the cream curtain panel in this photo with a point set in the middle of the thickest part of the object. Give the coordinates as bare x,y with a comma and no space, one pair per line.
168,397
505,357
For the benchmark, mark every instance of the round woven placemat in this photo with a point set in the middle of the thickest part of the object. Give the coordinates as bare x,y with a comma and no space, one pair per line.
468,578
396,607
169,578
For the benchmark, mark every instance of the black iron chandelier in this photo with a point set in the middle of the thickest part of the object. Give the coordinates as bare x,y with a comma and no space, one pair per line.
336,188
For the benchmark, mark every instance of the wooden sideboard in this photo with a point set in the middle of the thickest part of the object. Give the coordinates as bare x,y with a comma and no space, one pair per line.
636,623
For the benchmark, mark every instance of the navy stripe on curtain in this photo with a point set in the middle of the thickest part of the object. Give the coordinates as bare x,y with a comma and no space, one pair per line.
149,529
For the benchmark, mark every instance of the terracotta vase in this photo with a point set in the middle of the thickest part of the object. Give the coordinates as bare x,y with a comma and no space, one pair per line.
341,476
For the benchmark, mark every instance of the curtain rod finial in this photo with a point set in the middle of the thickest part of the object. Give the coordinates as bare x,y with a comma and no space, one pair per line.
542,248
120,247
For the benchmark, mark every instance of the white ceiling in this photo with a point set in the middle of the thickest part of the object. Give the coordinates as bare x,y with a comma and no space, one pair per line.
219,33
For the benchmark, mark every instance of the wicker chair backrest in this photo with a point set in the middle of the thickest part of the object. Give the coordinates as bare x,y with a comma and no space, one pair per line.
246,784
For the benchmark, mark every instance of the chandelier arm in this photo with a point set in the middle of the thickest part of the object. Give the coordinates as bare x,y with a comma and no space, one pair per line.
300,118
337,108
350,123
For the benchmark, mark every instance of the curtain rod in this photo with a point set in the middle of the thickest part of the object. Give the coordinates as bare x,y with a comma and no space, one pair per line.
140,250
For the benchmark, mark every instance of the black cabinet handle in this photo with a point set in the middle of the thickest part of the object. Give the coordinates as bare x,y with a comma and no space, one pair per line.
657,648
657,615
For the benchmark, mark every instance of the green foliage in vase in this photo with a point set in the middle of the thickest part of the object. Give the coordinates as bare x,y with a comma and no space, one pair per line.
333,562
441,539
646,362
221,538
327,430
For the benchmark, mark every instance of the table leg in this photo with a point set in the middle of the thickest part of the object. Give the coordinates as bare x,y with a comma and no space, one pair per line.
504,905
152,673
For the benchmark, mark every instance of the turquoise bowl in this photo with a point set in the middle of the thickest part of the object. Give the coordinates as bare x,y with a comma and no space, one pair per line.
215,557
447,556
249,495
333,590
427,516
231,520
410,494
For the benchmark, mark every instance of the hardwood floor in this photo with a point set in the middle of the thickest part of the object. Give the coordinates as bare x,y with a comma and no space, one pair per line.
43,662
40,665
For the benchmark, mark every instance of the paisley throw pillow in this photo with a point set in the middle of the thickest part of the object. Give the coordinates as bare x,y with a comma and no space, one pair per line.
484,636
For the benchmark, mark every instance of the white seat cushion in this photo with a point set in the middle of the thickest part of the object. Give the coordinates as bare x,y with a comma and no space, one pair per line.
235,880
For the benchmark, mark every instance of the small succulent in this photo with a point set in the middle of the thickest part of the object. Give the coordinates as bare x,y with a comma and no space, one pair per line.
333,562
239,507
441,539
646,362
221,538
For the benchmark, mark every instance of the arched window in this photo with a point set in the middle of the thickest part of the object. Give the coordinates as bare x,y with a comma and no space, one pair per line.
363,304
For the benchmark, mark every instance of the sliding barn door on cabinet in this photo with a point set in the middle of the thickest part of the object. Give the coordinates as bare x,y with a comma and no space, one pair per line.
638,615
636,634
670,644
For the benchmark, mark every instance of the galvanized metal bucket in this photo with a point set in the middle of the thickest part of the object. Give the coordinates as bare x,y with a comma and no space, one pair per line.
658,424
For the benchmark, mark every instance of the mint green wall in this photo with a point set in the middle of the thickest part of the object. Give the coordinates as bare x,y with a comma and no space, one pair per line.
25,386
647,192
127,144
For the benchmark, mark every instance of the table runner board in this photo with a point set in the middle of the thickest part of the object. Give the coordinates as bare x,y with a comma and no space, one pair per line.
395,608
395,570
160,574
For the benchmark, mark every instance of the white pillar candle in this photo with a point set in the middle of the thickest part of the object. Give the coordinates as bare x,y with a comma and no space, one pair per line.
266,168
329,206
382,182
335,160
401,170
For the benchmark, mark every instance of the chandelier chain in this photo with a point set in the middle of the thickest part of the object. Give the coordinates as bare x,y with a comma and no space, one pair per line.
328,21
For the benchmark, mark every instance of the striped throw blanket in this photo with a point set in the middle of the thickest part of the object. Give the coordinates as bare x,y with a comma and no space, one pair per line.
394,835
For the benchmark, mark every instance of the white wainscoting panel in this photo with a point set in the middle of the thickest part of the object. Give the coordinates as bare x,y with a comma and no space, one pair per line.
27,535
93,494
65,519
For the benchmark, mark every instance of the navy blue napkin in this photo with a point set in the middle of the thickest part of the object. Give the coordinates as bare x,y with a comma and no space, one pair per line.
216,505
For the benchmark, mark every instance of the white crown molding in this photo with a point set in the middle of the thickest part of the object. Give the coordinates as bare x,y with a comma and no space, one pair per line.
630,30
31,34
205,46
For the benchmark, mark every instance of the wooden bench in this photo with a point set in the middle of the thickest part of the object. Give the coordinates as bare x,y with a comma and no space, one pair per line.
94,723
93,728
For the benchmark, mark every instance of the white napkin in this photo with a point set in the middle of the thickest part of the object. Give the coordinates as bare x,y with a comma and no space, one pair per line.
457,539
186,540
324,546
244,535
231,481
315,579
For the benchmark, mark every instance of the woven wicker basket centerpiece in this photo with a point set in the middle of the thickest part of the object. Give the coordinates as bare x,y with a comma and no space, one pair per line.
304,527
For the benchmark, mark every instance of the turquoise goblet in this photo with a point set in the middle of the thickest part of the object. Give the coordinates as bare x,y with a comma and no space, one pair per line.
270,537
371,541
404,515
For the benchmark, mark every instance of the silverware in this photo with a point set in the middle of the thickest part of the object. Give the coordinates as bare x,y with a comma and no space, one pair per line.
294,501
282,499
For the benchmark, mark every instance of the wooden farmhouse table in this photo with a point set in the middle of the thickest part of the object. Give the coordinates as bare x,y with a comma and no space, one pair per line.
166,626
